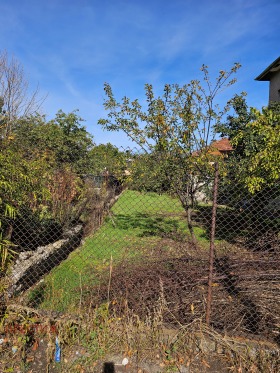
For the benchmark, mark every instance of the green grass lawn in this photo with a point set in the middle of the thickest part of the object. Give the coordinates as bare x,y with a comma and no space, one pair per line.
136,225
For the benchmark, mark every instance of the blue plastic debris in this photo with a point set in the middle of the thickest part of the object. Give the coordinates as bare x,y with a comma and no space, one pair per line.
57,354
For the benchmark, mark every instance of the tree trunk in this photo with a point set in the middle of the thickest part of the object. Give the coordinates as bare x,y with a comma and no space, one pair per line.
188,207
188,210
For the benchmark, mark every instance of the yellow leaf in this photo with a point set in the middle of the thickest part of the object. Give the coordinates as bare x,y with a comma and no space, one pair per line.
192,308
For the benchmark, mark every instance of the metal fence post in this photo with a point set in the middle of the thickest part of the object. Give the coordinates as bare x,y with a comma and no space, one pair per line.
212,244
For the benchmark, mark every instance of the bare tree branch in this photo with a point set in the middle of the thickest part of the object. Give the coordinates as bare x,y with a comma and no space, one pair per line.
18,100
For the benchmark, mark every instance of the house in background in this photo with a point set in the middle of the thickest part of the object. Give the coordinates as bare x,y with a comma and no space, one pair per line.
272,75
221,147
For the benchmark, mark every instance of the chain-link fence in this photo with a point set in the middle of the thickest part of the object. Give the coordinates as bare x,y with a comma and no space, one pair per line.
153,241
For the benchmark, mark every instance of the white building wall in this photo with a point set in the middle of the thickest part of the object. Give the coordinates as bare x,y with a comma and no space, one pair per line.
274,87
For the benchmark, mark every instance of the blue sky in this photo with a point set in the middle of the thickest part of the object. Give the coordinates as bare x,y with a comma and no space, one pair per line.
71,47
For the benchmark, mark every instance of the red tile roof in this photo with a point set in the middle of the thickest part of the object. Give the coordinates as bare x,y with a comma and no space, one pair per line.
218,147
222,145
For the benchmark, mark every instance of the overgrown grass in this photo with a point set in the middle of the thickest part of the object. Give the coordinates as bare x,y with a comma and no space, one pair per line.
100,337
135,226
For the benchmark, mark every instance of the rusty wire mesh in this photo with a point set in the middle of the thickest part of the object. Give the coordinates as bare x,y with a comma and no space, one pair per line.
127,241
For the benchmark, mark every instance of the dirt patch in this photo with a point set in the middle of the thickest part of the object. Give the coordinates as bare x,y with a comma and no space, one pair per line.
246,294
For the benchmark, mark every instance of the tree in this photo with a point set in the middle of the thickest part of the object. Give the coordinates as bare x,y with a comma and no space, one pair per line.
176,130
73,143
148,174
16,99
63,140
40,180
108,157
255,135
252,182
